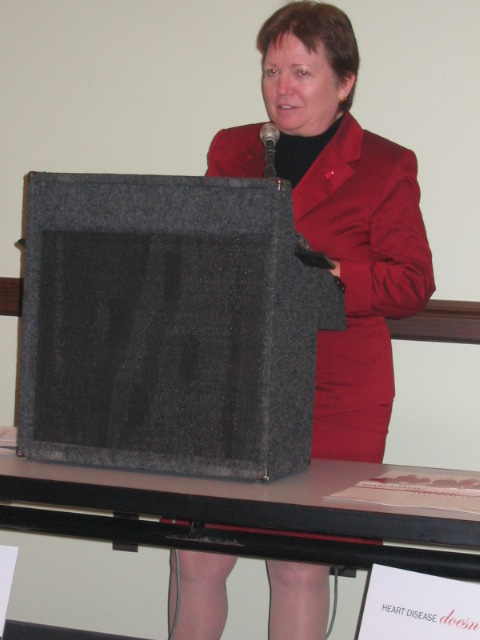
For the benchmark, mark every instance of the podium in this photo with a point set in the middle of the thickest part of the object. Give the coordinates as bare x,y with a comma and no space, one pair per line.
168,325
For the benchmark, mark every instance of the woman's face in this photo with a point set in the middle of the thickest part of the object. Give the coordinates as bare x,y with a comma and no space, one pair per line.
300,90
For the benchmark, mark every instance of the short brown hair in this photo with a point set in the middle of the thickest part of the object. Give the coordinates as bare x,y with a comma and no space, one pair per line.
313,22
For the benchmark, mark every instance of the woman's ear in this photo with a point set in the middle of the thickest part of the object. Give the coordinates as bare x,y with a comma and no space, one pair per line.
345,86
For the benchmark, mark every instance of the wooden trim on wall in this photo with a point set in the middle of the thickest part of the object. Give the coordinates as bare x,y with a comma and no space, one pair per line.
11,294
441,321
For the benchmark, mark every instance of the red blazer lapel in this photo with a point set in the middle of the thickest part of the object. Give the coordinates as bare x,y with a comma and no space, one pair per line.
330,170
254,163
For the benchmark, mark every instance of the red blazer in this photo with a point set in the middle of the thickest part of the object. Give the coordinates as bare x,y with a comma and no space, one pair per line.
358,203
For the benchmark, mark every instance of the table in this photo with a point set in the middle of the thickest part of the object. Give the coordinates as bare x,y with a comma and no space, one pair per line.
277,519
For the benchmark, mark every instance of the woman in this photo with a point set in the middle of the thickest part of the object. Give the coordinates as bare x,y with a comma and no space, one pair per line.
355,198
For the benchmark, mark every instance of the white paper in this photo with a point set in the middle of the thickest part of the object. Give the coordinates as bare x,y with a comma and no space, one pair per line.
432,490
8,559
405,605
8,440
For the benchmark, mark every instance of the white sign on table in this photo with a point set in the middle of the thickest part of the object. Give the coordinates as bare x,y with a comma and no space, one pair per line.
8,560
405,604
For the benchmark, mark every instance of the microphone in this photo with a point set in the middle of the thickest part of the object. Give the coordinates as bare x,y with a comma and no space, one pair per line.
269,135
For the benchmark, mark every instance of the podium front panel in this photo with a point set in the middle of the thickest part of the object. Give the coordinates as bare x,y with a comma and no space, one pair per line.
168,325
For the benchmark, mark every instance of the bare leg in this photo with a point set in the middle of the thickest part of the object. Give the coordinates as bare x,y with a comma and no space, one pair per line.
299,600
203,594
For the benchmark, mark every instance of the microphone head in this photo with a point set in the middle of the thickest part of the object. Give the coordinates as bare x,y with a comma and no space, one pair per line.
269,133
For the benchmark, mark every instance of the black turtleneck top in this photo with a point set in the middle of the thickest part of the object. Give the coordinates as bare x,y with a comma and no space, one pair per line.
294,155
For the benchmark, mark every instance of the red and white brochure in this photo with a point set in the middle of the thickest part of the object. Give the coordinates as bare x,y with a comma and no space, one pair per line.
429,489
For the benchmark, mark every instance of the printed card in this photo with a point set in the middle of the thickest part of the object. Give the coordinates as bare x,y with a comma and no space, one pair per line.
405,604
8,560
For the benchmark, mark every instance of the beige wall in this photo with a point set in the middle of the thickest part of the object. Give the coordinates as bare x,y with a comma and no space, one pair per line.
141,86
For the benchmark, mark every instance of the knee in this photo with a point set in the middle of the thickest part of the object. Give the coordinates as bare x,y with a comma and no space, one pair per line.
196,566
297,575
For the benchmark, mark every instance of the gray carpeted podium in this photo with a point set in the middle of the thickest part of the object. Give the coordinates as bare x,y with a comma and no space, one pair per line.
168,325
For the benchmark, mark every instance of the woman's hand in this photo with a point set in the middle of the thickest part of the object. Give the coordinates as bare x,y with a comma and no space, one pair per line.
336,270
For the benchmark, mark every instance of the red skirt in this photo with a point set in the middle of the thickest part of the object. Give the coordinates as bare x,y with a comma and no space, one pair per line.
357,436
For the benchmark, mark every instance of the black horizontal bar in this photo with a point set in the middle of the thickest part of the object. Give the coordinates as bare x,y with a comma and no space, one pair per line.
342,553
